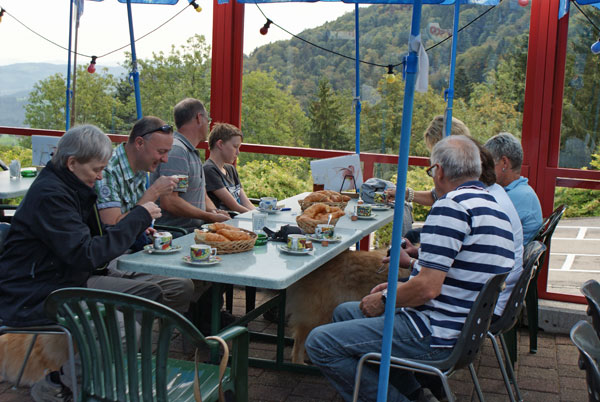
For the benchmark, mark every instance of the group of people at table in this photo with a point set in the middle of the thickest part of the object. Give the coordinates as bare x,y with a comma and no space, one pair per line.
91,204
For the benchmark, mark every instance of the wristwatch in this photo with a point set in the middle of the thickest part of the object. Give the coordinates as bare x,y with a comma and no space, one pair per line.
384,296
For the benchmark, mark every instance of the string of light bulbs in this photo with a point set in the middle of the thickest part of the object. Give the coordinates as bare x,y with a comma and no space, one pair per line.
390,77
92,65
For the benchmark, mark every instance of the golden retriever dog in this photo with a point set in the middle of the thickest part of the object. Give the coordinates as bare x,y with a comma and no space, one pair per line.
348,277
48,354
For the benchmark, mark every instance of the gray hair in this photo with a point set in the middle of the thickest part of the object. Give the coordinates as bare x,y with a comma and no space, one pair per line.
459,156
84,143
506,144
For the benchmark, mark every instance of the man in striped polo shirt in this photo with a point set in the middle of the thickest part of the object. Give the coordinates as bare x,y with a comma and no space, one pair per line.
465,240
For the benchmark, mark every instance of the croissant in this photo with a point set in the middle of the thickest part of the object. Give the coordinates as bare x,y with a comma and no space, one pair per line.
233,235
207,236
215,227
316,197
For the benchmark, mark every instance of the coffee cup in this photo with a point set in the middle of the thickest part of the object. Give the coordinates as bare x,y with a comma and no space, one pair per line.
296,242
183,182
202,252
324,231
268,203
380,197
363,210
162,240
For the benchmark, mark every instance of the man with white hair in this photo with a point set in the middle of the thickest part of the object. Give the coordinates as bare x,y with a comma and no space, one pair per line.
465,241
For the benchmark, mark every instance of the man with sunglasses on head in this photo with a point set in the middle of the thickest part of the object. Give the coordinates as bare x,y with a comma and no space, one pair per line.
124,186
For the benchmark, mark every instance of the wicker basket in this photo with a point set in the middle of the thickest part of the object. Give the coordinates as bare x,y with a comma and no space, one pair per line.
340,205
232,247
309,225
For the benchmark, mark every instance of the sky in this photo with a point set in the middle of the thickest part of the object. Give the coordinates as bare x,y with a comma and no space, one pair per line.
104,27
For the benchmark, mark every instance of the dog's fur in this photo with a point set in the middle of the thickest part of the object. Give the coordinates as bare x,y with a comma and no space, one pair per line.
348,277
48,354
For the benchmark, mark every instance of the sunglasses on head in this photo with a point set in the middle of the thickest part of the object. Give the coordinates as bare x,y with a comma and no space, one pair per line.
165,129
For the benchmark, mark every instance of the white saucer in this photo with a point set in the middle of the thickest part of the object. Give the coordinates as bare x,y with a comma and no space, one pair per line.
269,211
285,249
372,216
335,239
380,207
151,250
212,261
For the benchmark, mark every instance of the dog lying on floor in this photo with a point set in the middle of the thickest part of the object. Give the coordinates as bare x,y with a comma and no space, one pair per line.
49,353
348,277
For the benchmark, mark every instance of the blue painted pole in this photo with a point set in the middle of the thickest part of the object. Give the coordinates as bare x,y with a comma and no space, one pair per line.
450,92
357,104
390,307
134,70
68,93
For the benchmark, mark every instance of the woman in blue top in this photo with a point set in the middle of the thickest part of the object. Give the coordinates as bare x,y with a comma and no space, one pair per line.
508,155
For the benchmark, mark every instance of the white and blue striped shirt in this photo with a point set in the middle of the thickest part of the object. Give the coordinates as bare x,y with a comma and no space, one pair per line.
468,236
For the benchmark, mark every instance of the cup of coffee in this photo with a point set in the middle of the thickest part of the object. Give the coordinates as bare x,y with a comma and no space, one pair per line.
268,203
380,197
162,240
259,221
202,252
324,231
183,182
363,210
296,242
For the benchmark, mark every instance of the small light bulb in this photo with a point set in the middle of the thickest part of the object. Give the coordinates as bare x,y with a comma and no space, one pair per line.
596,47
390,78
92,67
523,3
264,30
196,6
198,9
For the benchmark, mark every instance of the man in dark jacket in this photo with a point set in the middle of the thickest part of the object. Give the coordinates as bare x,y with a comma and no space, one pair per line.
56,238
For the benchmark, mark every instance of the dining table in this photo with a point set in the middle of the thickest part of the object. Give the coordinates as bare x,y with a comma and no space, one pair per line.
11,188
268,266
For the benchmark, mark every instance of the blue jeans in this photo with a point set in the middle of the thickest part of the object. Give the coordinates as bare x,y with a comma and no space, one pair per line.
336,348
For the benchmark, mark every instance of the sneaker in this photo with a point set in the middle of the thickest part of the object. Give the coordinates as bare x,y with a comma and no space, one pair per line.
425,395
50,389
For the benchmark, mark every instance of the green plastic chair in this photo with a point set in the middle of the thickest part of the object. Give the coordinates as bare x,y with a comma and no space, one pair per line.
120,367
544,235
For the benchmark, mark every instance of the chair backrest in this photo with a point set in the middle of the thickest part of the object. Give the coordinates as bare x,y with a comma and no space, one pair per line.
585,338
591,291
477,324
109,355
4,228
531,256
548,226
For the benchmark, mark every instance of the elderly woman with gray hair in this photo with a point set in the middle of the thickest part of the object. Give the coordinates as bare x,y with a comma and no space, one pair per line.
56,239
508,156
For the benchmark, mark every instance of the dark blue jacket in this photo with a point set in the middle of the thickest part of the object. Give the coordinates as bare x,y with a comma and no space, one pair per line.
54,242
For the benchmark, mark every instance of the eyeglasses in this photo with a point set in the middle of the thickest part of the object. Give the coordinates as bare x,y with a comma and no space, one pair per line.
165,129
430,171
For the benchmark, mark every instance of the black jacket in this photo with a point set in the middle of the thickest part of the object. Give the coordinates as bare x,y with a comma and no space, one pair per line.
54,242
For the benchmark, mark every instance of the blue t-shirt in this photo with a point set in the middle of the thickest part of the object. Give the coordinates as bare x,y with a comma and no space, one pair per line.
527,205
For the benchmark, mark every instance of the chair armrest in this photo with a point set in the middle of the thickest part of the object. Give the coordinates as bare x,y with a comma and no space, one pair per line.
255,201
171,229
232,332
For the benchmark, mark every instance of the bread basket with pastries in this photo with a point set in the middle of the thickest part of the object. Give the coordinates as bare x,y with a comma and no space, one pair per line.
226,239
316,214
328,197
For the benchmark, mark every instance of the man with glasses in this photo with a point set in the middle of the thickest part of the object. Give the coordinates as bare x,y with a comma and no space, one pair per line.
123,186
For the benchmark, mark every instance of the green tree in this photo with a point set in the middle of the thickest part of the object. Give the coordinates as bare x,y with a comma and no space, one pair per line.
270,114
326,120
95,101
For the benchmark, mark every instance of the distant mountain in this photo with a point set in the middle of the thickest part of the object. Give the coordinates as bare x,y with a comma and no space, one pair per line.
17,80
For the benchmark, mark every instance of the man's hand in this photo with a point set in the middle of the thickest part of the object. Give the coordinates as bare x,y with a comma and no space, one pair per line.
411,249
372,305
405,259
164,185
379,287
152,209
218,217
